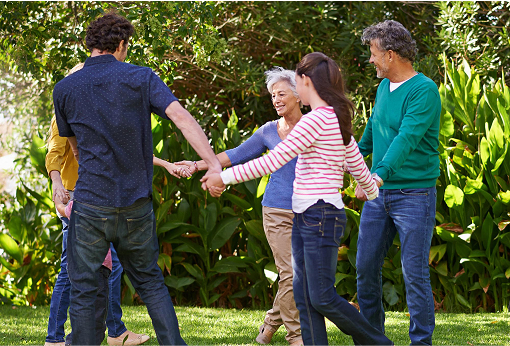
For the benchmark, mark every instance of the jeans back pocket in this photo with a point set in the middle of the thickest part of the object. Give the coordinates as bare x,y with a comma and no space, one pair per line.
140,229
89,229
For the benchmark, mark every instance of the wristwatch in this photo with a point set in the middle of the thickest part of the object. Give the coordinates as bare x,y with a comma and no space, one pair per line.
378,179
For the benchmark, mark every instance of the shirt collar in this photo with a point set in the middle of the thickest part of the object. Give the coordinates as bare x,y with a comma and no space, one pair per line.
101,59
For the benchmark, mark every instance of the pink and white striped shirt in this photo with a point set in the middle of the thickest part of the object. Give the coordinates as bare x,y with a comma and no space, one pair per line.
317,140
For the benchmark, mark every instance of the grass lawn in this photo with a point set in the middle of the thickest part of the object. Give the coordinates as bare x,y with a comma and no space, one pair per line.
201,326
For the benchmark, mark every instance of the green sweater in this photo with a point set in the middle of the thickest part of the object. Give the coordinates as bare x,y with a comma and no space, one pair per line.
403,134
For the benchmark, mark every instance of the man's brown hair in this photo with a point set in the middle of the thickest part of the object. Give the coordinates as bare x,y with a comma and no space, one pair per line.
106,32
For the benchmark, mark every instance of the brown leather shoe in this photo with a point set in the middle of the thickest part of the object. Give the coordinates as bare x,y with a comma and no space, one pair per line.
265,334
132,339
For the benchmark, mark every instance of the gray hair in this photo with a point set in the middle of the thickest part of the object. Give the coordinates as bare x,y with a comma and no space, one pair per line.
391,35
279,74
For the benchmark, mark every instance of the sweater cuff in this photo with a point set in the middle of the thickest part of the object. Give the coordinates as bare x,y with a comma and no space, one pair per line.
227,176
383,173
54,166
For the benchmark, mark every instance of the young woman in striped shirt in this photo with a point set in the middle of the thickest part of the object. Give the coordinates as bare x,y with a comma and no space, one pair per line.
323,142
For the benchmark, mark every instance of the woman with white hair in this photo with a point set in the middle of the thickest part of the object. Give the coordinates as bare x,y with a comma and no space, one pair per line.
277,201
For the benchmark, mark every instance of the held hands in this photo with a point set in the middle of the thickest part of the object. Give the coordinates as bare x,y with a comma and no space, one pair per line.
360,194
213,183
60,192
189,165
178,171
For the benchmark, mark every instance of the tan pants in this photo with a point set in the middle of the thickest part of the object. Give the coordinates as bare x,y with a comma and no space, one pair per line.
278,229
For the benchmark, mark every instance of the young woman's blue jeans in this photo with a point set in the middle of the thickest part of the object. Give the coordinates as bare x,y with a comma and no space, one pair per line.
132,231
411,213
60,297
316,236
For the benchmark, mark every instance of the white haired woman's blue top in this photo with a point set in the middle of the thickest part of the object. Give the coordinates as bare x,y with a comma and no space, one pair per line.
279,187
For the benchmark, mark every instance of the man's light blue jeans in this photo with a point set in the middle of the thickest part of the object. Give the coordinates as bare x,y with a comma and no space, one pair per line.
411,213
316,236
132,231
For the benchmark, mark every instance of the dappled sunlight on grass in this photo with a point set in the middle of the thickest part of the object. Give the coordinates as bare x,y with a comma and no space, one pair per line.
205,326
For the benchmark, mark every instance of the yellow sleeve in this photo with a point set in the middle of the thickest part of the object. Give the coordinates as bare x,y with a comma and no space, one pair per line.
56,149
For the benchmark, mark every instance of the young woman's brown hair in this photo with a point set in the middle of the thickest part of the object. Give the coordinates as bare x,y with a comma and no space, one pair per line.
328,82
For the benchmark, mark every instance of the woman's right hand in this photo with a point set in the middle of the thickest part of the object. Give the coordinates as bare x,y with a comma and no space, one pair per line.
190,165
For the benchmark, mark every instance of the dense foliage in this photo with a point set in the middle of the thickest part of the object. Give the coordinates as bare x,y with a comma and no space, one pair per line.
213,55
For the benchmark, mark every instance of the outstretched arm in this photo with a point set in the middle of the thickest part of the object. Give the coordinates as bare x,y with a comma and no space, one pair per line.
173,169
195,136
195,166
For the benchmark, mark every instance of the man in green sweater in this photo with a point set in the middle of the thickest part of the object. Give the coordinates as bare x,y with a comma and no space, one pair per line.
402,136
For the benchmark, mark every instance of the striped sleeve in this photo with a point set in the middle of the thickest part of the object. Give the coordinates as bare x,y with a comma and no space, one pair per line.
299,139
359,170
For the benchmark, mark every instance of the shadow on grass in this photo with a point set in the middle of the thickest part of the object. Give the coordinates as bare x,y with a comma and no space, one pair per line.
201,326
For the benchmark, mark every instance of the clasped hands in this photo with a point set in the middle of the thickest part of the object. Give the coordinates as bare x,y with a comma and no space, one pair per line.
211,181
361,195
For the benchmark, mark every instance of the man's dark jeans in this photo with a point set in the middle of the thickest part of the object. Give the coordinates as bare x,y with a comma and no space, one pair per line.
132,230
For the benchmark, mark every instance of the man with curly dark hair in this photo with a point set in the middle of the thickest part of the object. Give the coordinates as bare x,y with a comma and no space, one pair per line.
107,32
402,135
105,111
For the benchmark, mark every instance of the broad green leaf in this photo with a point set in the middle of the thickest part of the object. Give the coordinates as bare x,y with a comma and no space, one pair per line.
29,212
472,186
213,298
463,301
445,235
447,124
225,267
38,154
7,264
165,262
178,282
194,270
340,276
216,282
504,197
271,272
437,252
261,188
40,198
256,229
223,232
237,201
353,215
453,196
505,239
484,151
162,211
487,233
442,268
11,247
390,293
190,247
16,228
477,253
170,225
210,217
184,210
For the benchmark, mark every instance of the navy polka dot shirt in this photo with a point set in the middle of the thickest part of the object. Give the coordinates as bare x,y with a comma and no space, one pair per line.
107,105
